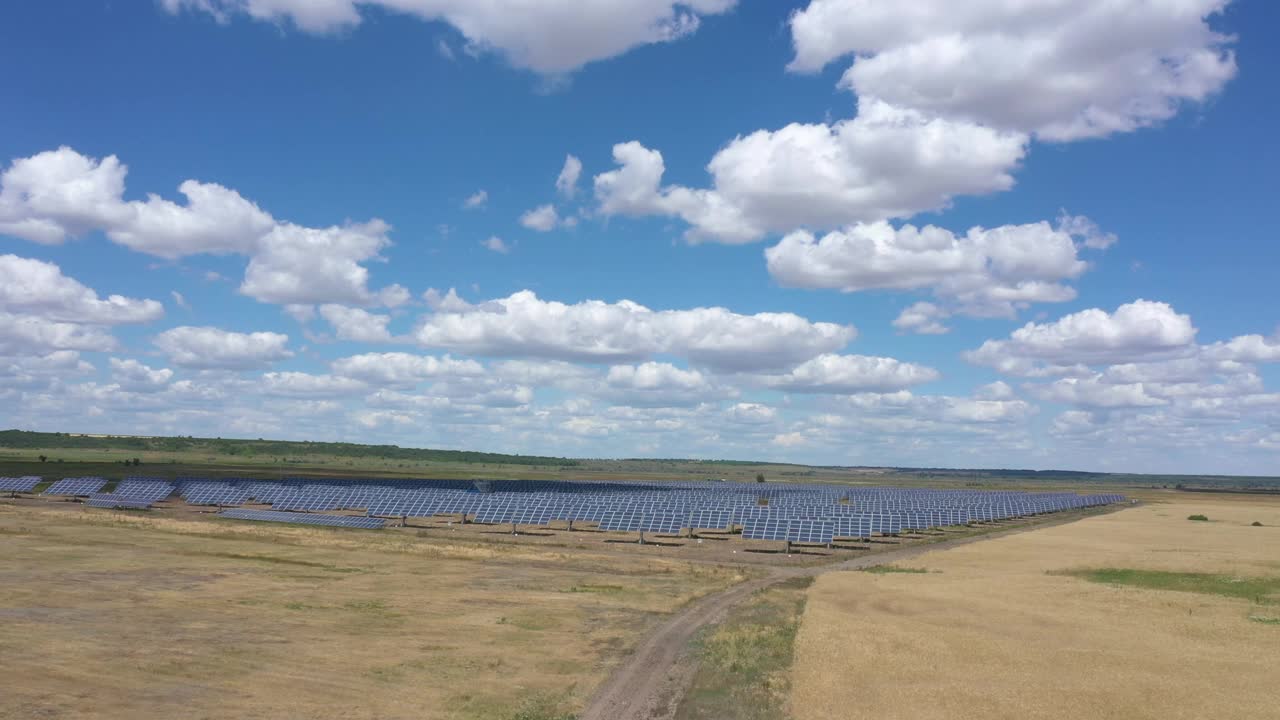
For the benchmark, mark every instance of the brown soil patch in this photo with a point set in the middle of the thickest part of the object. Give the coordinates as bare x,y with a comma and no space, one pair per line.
992,634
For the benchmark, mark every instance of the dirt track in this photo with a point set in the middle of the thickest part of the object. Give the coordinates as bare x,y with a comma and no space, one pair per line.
650,683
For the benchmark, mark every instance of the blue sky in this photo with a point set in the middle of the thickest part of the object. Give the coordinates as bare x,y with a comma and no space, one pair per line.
830,231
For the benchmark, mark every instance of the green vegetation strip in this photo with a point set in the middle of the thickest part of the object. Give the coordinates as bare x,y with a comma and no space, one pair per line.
1259,590
21,439
745,662
886,569
543,706
595,589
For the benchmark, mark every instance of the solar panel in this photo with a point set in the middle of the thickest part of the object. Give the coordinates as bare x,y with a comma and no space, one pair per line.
532,516
458,505
763,528
819,532
743,515
852,527
663,523
710,519
116,502
304,518
144,489
789,529
216,494
495,514
590,513
19,484
305,502
621,521
76,486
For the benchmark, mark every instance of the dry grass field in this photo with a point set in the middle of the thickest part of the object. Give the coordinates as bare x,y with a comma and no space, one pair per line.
997,630
106,615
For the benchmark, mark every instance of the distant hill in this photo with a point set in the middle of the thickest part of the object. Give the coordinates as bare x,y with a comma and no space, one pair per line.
1005,472
22,439
254,452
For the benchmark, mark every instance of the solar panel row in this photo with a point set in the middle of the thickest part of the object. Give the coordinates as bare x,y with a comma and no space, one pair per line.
303,518
116,502
149,489
633,521
27,483
76,486
793,512
798,530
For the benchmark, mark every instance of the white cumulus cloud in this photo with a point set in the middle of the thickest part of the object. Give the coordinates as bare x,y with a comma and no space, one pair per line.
60,194
567,180
984,273
40,371
496,244
841,374
215,220
1246,348
136,377
922,318
547,36
949,96
884,163
1091,393
355,324
543,218
38,288
656,384
524,325
43,311
301,265
214,348
308,386
1138,331
23,335
1063,69
398,369
749,413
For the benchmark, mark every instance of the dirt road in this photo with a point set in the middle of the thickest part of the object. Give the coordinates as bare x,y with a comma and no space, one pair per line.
650,683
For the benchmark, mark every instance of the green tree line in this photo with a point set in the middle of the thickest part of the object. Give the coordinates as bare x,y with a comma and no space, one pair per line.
26,440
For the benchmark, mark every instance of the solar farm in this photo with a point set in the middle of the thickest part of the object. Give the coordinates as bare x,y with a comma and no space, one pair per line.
234,596
790,514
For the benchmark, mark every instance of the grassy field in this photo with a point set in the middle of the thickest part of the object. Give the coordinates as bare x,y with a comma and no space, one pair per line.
1135,614
115,615
744,667
1263,591
888,569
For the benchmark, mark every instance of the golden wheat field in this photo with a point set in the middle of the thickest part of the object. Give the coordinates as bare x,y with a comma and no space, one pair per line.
989,631
104,615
